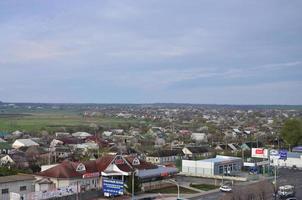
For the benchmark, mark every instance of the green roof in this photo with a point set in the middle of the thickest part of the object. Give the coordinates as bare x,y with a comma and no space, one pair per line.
3,133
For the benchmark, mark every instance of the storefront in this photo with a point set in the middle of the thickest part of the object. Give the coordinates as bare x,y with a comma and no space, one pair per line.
221,165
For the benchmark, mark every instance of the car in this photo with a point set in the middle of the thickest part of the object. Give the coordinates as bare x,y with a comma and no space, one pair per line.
225,188
291,198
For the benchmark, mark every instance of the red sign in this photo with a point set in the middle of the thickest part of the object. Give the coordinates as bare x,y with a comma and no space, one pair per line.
91,175
119,161
260,151
163,174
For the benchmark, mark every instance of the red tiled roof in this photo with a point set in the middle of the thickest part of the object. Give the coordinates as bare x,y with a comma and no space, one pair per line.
66,169
103,162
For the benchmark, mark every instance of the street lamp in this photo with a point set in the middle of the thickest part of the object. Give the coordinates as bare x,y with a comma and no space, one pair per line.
175,183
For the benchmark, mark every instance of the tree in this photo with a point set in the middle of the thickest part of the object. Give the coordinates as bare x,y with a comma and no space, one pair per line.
291,132
137,184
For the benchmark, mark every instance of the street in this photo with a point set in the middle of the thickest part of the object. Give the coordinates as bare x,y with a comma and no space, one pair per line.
286,177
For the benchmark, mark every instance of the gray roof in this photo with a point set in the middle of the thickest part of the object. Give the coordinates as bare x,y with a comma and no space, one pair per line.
15,178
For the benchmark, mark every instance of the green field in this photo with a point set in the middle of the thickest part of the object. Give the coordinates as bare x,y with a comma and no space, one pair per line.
35,122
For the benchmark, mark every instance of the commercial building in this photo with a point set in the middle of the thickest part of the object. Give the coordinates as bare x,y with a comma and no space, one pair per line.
221,165
293,159
89,175
21,184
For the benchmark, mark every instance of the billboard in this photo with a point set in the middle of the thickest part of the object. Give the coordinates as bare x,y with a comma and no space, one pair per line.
112,187
259,153
283,154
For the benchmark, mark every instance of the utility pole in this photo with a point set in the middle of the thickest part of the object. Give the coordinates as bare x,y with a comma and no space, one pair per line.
133,174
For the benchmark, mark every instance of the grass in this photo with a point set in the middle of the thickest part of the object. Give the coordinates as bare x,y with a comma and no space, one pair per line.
204,187
172,190
57,121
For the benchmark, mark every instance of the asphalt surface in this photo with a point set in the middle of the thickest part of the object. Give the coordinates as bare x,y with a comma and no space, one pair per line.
285,177
291,177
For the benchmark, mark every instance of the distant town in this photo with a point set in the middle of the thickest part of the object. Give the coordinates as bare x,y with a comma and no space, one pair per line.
150,151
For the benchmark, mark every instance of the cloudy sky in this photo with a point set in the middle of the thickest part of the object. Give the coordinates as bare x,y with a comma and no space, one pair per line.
146,51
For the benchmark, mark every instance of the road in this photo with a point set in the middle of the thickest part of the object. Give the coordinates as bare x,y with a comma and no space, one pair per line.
286,176
291,177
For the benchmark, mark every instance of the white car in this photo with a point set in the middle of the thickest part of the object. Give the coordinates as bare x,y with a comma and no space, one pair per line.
225,188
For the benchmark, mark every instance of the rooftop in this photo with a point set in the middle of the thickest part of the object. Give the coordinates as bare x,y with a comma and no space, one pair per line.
220,159
15,178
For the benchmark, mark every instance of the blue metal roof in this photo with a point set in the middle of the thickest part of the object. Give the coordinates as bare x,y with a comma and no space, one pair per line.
157,172
221,159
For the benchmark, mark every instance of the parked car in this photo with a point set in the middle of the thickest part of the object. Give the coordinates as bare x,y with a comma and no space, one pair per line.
225,188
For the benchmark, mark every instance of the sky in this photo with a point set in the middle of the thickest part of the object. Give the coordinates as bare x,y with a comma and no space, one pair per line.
151,51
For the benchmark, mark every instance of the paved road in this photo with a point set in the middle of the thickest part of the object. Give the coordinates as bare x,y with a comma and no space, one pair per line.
291,177
212,196
286,176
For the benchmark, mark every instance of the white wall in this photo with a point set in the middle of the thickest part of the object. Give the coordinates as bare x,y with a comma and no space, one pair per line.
193,167
15,187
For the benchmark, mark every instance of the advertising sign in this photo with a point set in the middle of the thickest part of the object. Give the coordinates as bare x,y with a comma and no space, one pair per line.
259,153
52,194
283,154
113,187
91,175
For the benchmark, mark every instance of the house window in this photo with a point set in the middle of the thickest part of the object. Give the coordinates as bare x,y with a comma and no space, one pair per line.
22,188
5,191
220,169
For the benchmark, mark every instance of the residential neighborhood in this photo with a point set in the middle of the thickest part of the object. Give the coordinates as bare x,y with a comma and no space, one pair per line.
197,146
150,100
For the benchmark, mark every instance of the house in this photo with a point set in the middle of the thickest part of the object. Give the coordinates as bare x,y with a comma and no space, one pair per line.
2,140
221,147
61,152
60,134
199,137
234,147
184,133
17,134
249,145
164,156
3,134
81,135
17,159
159,142
68,173
5,147
194,152
24,143
20,184
107,133
85,147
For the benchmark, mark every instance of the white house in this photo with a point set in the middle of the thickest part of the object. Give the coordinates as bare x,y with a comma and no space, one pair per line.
107,133
6,160
199,137
24,143
81,135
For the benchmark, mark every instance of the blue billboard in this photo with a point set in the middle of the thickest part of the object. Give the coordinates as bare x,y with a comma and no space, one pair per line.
283,154
112,187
